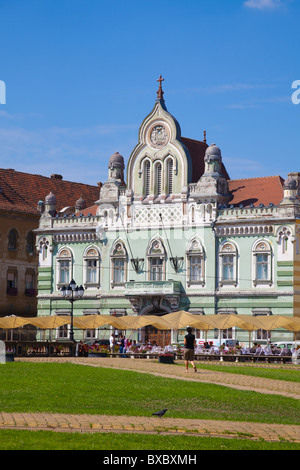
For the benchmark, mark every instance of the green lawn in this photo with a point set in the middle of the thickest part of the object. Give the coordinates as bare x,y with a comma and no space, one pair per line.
259,370
69,388
47,440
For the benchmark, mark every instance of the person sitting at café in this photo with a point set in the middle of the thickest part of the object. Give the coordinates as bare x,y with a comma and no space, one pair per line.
285,352
259,351
268,350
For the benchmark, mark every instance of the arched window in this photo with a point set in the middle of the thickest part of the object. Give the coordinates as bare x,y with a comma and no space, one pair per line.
195,257
64,267
30,242
119,264
169,176
284,237
158,176
91,265
147,178
12,239
228,264
44,251
156,260
262,263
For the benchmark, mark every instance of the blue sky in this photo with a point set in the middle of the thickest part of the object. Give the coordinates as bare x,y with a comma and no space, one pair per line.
81,75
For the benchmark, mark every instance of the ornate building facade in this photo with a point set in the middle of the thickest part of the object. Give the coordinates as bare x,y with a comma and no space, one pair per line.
178,233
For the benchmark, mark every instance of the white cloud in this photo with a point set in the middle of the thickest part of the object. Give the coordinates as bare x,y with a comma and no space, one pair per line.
263,4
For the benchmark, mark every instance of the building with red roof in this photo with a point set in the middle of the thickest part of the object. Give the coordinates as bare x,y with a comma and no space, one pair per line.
170,231
21,202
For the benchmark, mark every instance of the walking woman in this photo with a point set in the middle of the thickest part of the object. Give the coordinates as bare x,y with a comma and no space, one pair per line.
189,345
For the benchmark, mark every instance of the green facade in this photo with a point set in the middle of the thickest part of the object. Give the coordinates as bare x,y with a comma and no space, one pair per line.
162,242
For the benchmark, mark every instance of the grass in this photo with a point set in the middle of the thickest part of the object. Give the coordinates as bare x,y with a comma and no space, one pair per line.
46,440
69,388
267,372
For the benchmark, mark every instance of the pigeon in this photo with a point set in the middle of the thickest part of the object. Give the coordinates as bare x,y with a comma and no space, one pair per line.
160,413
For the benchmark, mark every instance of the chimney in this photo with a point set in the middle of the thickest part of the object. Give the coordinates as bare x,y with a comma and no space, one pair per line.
56,177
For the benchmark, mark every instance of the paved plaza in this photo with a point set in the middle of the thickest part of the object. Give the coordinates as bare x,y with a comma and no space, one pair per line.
165,425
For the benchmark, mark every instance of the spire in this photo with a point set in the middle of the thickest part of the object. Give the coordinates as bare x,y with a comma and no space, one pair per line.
160,93
204,137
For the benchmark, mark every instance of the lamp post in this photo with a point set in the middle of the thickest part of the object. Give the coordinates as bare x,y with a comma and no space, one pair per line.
72,293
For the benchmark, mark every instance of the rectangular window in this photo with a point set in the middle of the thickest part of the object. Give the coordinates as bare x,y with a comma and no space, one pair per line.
195,268
64,272
118,271
62,332
90,334
261,334
227,334
156,269
91,272
11,280
262,267
29,281
228,268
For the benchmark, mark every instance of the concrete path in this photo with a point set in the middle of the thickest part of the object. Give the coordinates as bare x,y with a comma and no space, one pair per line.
165,425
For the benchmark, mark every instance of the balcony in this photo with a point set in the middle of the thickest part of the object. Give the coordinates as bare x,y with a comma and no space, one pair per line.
157,294
152,288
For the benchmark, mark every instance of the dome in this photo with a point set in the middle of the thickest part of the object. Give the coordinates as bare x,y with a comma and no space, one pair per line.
290,183
80,204
213,151
50,199
116,158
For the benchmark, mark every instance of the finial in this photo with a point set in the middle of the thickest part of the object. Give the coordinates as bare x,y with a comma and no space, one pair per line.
204,137
160,93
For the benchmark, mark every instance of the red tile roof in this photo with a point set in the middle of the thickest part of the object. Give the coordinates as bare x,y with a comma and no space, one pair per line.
21,192
263,190
89,210
197,151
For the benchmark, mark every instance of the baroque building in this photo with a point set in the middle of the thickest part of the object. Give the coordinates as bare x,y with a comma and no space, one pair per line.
176,233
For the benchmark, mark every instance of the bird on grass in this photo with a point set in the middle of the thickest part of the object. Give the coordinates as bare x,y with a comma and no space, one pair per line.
160,413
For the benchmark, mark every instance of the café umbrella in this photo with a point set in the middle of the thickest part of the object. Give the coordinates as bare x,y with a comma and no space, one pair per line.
139,321
91,321
181,319
11,322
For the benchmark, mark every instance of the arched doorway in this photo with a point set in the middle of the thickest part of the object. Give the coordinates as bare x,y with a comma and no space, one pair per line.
154,335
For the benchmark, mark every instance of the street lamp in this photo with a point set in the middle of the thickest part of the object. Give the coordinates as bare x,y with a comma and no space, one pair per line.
72,293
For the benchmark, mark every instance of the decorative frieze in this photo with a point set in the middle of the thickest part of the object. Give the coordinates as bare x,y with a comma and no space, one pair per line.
244,230
75,237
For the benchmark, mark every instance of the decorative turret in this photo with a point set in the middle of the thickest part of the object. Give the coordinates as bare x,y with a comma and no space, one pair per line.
213,160
213,185
50,205
110,190
116,168
290,191
80,204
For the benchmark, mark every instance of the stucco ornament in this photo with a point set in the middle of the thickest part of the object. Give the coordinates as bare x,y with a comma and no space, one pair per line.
159,136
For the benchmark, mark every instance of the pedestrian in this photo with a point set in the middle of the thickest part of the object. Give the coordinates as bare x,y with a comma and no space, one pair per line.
189,345
122,344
